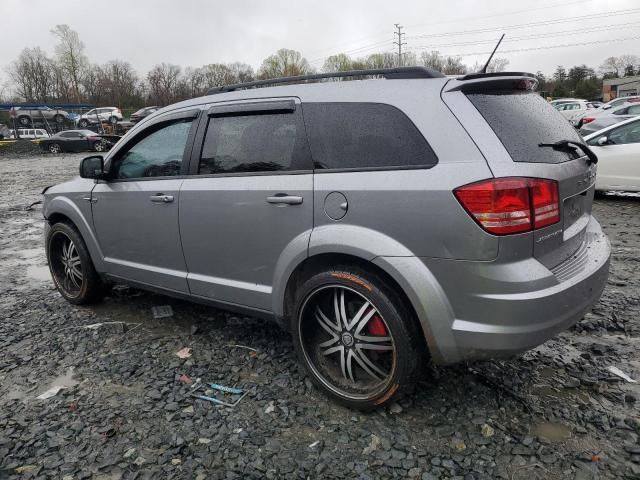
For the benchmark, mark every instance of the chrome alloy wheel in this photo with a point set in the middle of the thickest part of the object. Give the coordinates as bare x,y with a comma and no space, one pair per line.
346,342
66,265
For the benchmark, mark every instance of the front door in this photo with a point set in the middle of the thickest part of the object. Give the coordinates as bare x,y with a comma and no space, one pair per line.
250,197
619,165
135,212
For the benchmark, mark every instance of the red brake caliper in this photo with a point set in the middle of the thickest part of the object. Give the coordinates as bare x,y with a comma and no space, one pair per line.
376,327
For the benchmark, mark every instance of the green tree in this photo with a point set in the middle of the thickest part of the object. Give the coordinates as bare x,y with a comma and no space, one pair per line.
284,63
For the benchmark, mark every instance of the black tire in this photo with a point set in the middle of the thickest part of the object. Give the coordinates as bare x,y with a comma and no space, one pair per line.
59,118
99,147
356,387
83,123
24,121
54,148
113,120
86,289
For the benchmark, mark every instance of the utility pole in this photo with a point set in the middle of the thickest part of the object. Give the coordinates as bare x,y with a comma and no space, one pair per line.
399,43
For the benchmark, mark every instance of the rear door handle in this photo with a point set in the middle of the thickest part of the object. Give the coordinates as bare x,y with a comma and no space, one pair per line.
161,198
285,199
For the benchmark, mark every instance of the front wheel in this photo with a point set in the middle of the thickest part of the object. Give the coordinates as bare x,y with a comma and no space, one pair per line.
59,118
356,337
83,123
113,120
71,266
55,148
99,147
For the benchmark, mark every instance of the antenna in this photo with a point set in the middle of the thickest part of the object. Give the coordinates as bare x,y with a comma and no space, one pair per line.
484,69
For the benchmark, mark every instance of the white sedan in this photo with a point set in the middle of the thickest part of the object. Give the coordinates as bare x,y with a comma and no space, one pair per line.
618,151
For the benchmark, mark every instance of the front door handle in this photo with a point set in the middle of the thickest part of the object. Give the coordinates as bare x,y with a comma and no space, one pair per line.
161,198
285,199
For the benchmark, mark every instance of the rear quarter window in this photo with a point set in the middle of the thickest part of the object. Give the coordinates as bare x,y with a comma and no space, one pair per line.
356,136
524,120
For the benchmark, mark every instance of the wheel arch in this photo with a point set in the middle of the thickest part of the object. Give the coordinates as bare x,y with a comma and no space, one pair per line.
60,209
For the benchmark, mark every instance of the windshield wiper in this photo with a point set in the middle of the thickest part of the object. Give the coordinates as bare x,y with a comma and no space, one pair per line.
571,146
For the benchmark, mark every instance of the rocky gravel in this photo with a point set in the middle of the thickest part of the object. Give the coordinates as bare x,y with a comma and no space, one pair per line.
125,409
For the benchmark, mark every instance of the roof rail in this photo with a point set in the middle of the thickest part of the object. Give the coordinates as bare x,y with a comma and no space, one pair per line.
472,76
389,73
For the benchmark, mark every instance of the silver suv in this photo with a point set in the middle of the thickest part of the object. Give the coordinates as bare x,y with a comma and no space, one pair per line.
381,221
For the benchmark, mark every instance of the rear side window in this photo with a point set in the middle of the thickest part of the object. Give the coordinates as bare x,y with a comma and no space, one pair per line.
254,143
524,120
364,136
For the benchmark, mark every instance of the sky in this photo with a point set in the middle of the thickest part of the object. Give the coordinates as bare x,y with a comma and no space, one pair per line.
198,32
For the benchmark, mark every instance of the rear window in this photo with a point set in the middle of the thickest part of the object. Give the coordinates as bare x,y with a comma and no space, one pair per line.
524,120
364,136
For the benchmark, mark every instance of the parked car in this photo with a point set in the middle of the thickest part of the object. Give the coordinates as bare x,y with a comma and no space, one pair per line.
572,109
618,151
380,221
142,113
5,133
75,141
111,115
590,115
600,120
558,101
31,133
25,116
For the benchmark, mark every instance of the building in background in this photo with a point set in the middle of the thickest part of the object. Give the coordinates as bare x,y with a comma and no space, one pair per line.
620,87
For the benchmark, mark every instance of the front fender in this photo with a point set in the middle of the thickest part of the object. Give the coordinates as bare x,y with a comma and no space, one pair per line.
67,207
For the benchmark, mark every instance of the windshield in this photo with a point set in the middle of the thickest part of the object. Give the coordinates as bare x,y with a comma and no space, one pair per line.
523,120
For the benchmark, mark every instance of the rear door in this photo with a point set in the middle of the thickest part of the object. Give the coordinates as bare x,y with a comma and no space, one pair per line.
135,212
509,122
249,196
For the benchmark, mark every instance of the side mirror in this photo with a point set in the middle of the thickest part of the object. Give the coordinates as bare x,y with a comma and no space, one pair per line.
606,107
602,141
92,167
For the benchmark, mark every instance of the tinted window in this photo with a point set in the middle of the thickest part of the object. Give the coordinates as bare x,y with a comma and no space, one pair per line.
522,121
364,135
158,153
254,143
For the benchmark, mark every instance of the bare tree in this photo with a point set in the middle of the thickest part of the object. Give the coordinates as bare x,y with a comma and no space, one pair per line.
163,83
70,56
284,63
31,75
612,67
337,63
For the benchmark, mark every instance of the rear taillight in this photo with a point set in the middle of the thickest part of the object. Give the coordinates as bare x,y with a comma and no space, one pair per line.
587,120
504,206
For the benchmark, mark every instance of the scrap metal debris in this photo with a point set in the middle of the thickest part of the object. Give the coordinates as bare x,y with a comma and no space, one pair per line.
162,311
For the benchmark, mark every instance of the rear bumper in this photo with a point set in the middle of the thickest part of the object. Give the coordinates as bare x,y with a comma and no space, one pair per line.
492,310
509,323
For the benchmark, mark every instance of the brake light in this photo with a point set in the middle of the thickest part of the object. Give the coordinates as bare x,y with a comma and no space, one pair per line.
587,120
504,206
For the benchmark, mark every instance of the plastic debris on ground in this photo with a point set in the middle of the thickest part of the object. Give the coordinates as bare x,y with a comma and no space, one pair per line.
215,387
52,392
620,373
184,353
162,311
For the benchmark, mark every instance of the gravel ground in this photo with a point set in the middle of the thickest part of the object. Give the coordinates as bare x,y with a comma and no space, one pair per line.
553,413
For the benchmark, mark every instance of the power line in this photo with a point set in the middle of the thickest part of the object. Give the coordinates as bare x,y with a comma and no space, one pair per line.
549,47
592,16
533,36
399,43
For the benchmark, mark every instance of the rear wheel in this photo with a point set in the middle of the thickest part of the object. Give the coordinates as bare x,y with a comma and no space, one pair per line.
113,120
356,337
24,121
59,118
71,266
83,123
99,147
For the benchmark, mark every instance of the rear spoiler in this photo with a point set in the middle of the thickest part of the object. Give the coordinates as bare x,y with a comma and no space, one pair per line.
491,82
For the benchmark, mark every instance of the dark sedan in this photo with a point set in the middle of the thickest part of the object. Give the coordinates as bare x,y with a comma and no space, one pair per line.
76,141
135,117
